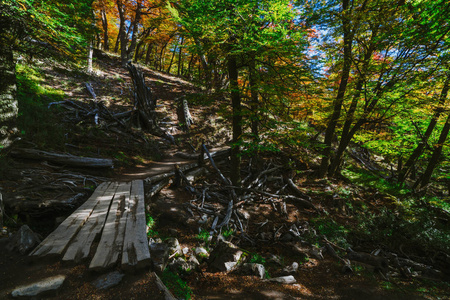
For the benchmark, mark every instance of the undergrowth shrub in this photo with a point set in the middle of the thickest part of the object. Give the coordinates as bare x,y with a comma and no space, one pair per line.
176,285
36,121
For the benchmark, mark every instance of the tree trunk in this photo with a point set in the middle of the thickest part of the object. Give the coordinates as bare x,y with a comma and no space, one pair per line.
105,30
188,73
180,64
345,138
233,74
403,173
434,160
122,34
89,58
171,60
8,103
161,57
337,106
254,102
149,52
135,26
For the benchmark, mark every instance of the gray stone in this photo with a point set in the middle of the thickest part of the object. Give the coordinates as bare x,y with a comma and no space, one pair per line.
290,269
159,254
193,261
47,286
287,237
284,279
23,240
274,260
201,252
253,269
224,257
173,231
316,253
107,281
174,246
179,265
185,250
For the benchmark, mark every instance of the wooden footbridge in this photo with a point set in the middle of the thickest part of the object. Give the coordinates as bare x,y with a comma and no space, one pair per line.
109,225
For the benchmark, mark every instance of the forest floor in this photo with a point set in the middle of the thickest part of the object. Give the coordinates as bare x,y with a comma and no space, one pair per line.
316,278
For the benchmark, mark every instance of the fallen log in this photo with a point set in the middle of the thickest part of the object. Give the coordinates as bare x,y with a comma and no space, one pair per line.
379,263
63,159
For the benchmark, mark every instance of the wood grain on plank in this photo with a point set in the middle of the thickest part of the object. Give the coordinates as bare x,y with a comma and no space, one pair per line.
80,247
111,242
57,241
136,253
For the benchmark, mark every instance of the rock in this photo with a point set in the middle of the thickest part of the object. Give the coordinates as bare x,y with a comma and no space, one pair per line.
185,250
201,252
287,237
274,260
173,231
290,269
284,279
107,281
253,269
45,287
316,253
203,219
179,265
224,257
193,261
159,254
23,240
174,246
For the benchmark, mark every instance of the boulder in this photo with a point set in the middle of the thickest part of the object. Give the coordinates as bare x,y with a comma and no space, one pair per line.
47,286
174,246
284,279
252,269
108,280
224,257
159,254
201,253
292,269
23,240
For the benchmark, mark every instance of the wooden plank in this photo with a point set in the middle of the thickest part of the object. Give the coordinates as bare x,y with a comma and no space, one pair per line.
57,241
111,242
136,253
80,247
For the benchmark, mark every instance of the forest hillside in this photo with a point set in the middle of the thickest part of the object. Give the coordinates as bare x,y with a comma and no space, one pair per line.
288,149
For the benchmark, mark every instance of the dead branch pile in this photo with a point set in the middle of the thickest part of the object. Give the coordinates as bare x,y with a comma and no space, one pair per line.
145,104
223,205
49,190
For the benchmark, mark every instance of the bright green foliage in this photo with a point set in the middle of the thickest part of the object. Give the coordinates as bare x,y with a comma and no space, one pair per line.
151,224
176,285
36,122
59,25
204,236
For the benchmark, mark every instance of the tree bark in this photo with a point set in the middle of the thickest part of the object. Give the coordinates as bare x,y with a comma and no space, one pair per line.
346,137
122,34
8,103
434,160
89,58
403,173
180,64
337,106
64,159
148,54
254,102
233,74
105,30
135,26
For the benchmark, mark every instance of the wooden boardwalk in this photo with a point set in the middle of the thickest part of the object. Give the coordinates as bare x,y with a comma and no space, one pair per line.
114,216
